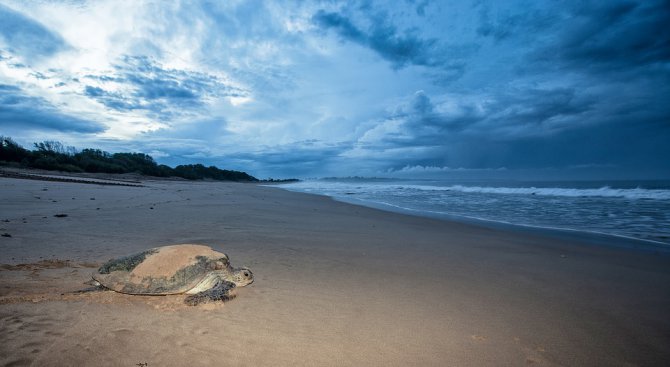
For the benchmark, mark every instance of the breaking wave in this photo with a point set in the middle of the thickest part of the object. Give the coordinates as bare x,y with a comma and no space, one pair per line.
636,193
605,191
621,209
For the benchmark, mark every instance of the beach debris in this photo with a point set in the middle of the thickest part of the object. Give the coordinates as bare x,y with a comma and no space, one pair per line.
479,338
60,215
200,272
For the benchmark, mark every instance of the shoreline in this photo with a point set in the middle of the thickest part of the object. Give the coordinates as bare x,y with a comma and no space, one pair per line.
336,284
588,237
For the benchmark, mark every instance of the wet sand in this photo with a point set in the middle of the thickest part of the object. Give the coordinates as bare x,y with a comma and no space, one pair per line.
336,285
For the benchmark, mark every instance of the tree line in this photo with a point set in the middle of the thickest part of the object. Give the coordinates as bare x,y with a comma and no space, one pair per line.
53,155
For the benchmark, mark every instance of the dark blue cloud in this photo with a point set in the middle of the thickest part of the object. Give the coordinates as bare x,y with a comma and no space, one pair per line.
154,82
114,100
620,145
508,116
617,35
18,110
163,92
525,23
94,91
588,36
525,129
27,37
291,160
399,48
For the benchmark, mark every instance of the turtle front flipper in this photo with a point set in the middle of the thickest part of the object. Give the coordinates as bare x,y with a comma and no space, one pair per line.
221,291
95,286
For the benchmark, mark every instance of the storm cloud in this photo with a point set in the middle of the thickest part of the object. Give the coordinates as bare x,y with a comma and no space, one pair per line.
400,48
319,88
615,36
516,114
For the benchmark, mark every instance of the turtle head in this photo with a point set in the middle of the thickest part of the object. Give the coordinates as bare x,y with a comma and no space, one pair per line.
242,277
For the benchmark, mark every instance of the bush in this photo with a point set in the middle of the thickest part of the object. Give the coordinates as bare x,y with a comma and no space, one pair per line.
10,151
53,155
198,172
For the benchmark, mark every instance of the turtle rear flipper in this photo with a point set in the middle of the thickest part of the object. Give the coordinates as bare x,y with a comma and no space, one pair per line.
221,291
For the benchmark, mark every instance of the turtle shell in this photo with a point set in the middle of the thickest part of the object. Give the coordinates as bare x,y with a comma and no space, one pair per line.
162,270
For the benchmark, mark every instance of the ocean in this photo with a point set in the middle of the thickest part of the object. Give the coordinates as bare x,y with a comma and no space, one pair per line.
637,210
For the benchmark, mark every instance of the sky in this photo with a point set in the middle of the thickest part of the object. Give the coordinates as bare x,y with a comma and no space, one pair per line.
414,88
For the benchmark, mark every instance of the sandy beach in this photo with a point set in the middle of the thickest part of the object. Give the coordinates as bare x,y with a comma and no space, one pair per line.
336,285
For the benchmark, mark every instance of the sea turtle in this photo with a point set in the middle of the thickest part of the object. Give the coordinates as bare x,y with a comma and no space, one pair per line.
197,270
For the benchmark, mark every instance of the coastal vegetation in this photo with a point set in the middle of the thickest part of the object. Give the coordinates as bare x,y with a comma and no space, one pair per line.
54,156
